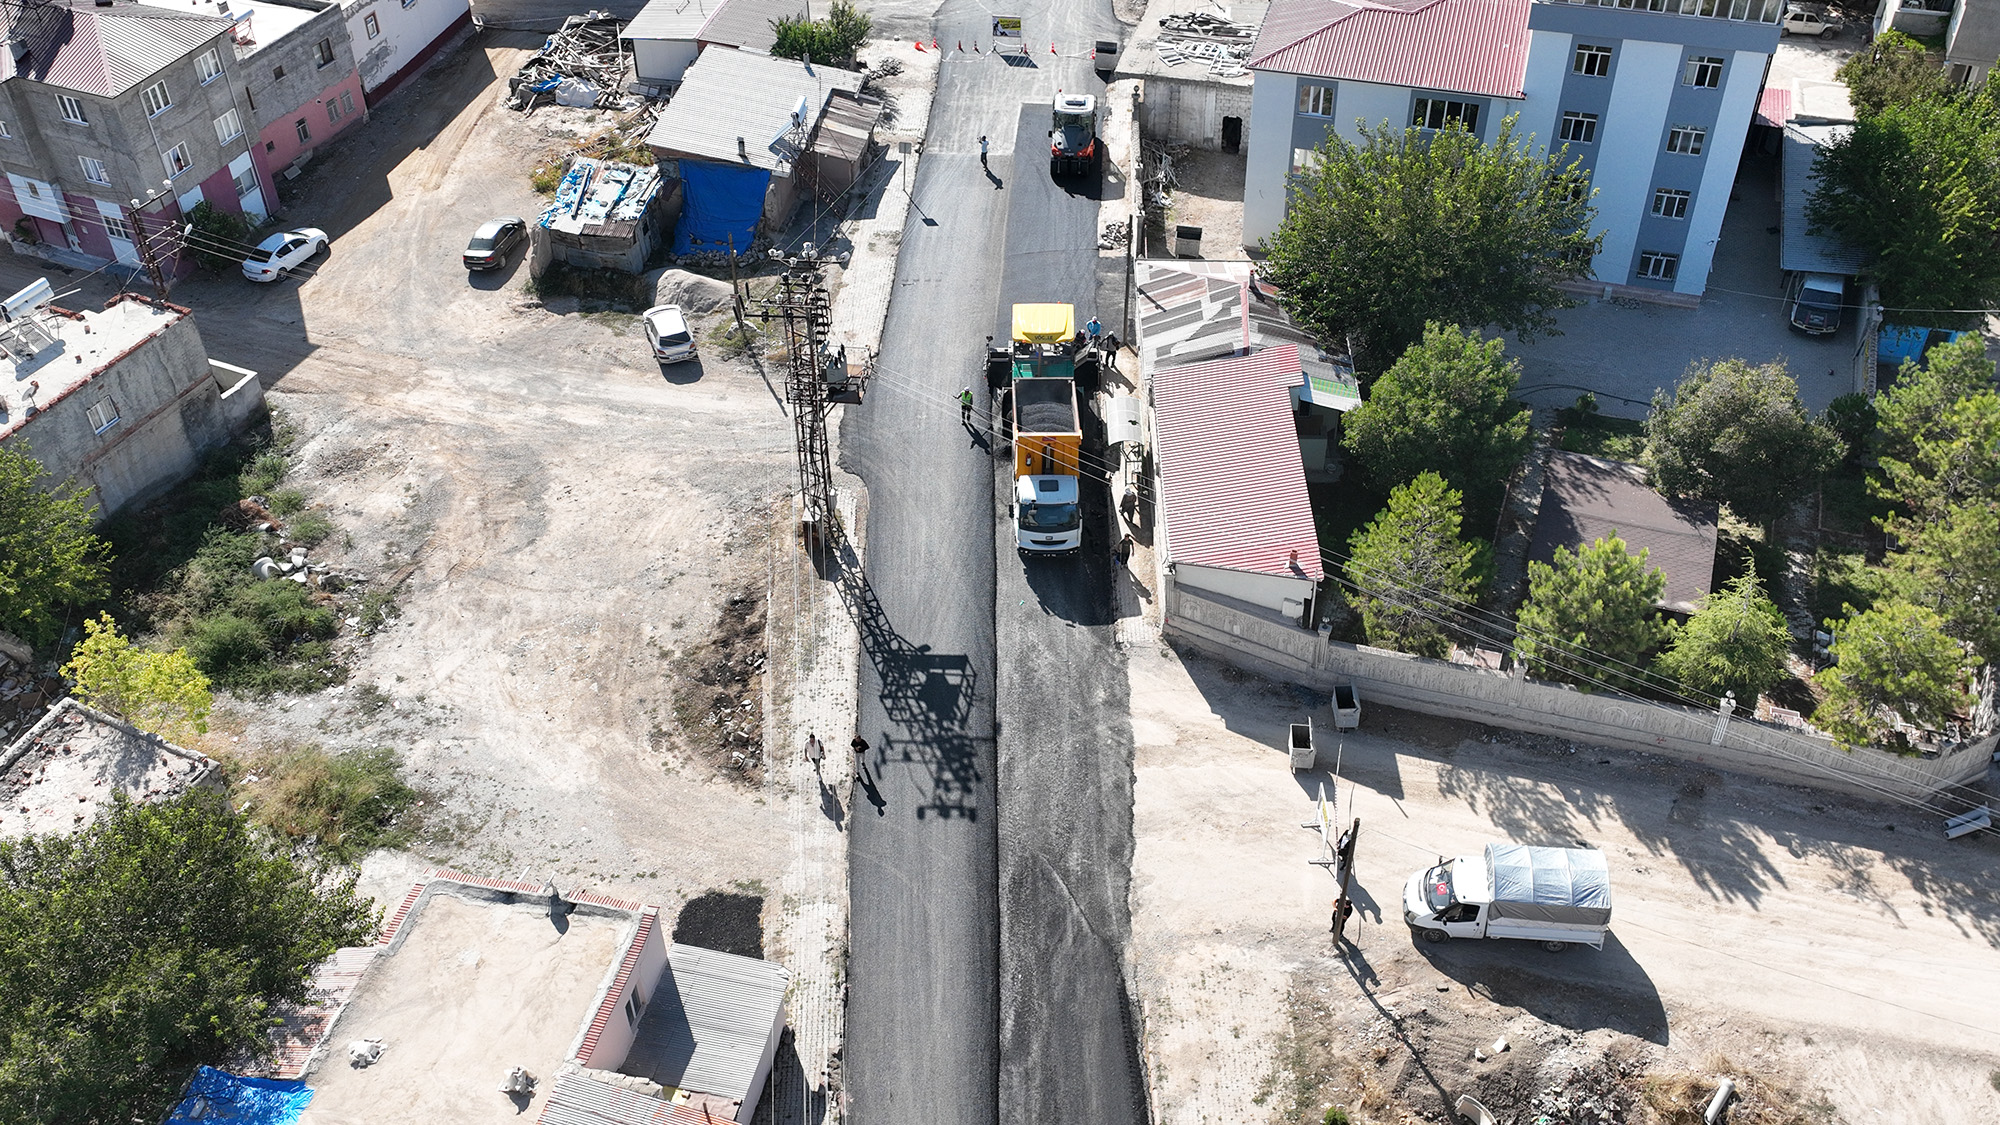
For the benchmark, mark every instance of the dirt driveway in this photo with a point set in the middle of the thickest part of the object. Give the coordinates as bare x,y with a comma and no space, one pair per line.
572,520
1840,950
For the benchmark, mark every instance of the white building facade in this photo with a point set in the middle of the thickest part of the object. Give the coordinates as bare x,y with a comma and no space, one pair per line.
1655,103
393,39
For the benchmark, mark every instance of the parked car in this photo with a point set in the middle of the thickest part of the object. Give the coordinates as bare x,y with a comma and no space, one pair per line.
283,252
667,330
1799,21
493,241
1817,299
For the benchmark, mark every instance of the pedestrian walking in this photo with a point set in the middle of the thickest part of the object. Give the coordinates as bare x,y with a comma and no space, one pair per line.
860,747
815,750
982,150
1123,552
965,407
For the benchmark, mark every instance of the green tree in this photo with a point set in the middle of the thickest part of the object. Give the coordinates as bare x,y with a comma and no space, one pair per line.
1917,187
221,239
1936,430
1736,642
832,40
161,692
1913,408
1410,226
1893,70
155,939
1737,434
1894,659
1591,617
1446,405
1408,559
1955,562
48,557
1852,419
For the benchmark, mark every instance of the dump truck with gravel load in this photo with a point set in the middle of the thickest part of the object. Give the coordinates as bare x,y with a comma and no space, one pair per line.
1047,429
1557,896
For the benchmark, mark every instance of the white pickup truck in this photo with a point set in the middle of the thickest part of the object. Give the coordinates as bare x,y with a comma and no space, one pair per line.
1557,896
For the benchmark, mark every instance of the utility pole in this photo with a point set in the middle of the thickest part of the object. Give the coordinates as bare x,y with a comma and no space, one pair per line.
143,241
1343,906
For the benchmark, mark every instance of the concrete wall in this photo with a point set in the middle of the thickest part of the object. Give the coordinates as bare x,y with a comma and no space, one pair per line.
662,62
748,1110
406,32
1240,635
1190,112
1265,591
638,969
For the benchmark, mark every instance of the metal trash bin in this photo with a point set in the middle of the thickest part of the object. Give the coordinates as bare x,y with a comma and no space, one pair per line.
1346,707
1187,242
1107,57
1304,756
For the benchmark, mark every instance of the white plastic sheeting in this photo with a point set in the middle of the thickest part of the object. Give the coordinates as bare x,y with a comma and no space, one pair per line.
1533,884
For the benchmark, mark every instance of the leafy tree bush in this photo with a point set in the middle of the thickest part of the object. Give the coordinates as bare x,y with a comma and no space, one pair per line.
221,239
1851,417
154,940
1445,405
1917,186
1738,434
832,40
1894,70
1892,658
49,558
161,692
1736,642
1591,617
1407,559
1410,226
341,805
1955,563
1929,438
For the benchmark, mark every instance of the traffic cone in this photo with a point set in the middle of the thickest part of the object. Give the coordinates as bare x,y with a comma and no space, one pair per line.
961,47
934,45
920,44
975,48
1052,46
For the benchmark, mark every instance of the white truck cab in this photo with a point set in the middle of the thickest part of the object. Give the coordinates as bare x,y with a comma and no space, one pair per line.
1048,514
1557,896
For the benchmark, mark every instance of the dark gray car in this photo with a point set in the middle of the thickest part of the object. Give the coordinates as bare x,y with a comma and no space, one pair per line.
493,241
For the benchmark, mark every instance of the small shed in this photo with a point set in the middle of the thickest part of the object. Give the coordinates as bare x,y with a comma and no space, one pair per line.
1800,250
606,215
1191,56
664,39
1585,499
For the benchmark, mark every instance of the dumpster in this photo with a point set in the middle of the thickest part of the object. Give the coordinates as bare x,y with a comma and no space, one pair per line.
1187,242
1104,57
1346,707
1304,757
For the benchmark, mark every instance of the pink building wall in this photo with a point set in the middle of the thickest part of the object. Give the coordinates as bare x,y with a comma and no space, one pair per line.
278,144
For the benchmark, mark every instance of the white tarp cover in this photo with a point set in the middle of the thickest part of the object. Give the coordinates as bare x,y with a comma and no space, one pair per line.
1570,885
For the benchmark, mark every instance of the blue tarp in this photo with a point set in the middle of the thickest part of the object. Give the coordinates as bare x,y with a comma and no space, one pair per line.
218,1096
720,202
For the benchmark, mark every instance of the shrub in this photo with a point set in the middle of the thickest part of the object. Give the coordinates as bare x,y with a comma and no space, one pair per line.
343,805
225,646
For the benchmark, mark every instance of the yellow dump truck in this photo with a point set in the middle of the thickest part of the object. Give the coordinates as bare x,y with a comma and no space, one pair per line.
1048,430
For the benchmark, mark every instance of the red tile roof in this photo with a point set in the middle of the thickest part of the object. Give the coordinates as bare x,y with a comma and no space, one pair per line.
1230,473
80,46
1774,107
1463,46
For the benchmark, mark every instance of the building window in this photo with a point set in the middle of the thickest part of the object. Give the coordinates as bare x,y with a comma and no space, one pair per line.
305,134
208,64
1579,128
93,170
373,25
1671,203
118,228
1305,160
1686,139
346,101
277,73
1704,71
156,98
72,110
332,112
228,127
1594,61
1655,266
323,52
176,160
246,181
1315,101
1433,113
103,415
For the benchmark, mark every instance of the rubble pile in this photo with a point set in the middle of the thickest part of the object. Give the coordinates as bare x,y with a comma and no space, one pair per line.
295,566
1198,37
24,693
1115,236
581,65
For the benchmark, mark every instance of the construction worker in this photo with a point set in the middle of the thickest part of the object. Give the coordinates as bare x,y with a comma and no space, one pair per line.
965,406
1094,330
982,150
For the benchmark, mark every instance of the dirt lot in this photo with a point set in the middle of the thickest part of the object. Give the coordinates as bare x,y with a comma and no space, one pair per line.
1791,938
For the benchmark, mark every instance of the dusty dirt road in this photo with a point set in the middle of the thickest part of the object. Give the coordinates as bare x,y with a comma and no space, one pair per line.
1790,932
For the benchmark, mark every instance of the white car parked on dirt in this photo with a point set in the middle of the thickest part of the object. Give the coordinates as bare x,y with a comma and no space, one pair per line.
283,252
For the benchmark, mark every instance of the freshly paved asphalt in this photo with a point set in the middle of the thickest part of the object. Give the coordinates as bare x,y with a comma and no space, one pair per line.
989,852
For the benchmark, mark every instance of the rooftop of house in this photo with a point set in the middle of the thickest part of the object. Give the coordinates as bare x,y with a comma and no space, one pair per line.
45,356
1799,248
1195,40
670,19
103,48
1231,477
262,23
737,107
1466,46
59,775
1199,310
1585,499
601,197
706,1024
747,23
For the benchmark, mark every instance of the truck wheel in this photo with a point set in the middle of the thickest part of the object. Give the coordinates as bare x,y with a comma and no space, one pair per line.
1829,33
1436,936
1555,946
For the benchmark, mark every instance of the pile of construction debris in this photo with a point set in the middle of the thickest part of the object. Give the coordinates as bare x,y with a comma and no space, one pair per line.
582,65
1197,37
24,693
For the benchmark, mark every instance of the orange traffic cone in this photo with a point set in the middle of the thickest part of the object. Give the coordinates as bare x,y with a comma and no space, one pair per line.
920,44
934,45
1052,46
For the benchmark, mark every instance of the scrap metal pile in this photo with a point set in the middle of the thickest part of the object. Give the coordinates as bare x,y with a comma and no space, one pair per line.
581,65
1198,37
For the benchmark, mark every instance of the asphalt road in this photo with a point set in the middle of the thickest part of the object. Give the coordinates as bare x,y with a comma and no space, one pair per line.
986,877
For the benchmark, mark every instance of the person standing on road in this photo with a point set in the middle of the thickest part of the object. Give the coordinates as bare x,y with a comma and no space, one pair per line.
1123,552
815,750
860,747
965,407
1094,330
982,150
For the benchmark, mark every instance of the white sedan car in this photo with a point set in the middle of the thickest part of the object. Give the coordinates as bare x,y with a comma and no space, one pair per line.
667,330
283,252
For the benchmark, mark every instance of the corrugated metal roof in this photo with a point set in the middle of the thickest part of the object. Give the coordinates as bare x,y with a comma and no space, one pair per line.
1194,311
1797,248
1585,499
707,1024
1230,473
1774,107
670,19
747,23
1465,46
105,51
581,1099
846,127
727,95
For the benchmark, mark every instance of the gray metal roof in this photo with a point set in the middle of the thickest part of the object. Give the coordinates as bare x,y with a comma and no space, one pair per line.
1797,249
106,50
584,1099
670,19
708,1022
747,23
732,106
